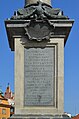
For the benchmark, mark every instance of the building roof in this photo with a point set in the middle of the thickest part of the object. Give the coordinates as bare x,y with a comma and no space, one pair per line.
8,94
4,102
76,117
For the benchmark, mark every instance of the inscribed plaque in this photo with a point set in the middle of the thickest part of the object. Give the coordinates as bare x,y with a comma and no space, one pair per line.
39,76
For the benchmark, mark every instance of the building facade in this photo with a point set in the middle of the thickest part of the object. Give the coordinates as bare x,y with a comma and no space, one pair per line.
4,107
10,97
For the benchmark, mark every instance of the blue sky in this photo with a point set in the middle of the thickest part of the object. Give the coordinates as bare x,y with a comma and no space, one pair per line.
71,9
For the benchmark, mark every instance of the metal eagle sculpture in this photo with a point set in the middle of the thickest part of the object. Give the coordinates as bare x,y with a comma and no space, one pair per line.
37,11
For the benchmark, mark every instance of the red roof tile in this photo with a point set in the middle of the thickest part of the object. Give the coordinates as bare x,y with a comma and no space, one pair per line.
76,117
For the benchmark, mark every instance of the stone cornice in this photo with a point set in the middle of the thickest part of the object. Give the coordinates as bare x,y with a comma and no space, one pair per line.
15,28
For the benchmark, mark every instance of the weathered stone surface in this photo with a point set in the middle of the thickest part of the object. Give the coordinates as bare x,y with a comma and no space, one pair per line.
39,30
39,84
16,28
38,10
39,109
39,77
40,117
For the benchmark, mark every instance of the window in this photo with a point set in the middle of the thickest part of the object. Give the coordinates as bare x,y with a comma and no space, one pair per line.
3,111
12,110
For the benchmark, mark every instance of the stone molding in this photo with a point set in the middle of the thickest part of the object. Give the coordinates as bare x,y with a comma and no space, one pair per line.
16,28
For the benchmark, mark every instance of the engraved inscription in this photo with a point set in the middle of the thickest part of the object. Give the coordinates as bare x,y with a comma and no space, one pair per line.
39,82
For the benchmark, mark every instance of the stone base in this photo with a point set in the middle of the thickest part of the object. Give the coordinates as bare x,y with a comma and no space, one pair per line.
40,117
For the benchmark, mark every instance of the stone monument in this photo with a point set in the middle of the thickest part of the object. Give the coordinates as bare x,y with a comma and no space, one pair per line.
34,1
38,33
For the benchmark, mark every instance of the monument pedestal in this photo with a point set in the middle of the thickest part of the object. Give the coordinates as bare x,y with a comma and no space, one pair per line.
39,72
38,40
